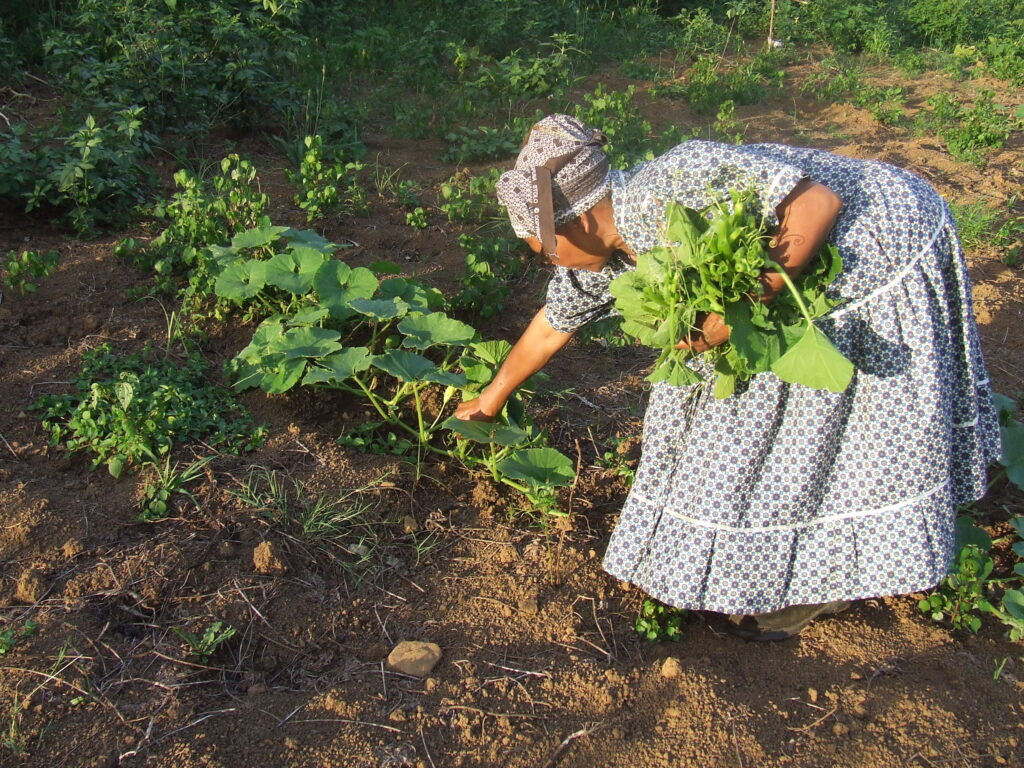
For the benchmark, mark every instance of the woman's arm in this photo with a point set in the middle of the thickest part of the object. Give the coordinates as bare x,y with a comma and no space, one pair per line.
535,347
806,216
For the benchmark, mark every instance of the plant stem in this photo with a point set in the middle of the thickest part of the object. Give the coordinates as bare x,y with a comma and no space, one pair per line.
792,289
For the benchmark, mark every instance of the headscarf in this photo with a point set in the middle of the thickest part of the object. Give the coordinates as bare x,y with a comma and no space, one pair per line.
561,172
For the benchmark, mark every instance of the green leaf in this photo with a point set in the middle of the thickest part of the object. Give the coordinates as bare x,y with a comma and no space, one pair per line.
380,309
308,316
493,352
485,431
283,376
386,268
337,284
1013,603
814,362
968,534
310,239
757,348
538,467
306,341
404,365
115,466
241,280
446,378
425,331
339,366
293,270
256,238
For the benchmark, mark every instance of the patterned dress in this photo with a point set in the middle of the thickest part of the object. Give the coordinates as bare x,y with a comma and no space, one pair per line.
783,495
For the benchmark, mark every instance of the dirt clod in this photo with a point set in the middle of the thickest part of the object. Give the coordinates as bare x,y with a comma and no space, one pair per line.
71,548
670,668
268,560
31,587
414,657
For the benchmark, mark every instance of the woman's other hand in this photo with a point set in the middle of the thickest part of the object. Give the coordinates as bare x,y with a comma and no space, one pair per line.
474,410
713,331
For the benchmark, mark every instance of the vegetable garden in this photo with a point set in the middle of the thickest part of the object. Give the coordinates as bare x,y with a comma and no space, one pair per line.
250,261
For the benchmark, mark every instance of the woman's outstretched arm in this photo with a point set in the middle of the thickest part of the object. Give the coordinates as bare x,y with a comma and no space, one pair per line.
535,347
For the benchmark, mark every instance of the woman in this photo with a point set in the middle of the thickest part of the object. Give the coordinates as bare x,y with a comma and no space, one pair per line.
780,503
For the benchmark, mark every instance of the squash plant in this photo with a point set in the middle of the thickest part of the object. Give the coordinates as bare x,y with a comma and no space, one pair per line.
331,326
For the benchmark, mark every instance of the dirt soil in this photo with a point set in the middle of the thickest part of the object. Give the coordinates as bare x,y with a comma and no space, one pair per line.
540,664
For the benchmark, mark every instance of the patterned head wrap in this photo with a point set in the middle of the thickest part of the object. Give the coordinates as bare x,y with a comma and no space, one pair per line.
561,173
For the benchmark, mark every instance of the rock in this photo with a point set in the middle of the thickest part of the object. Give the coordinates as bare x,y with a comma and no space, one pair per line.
528,605
812,694
414,657
71,548
268,561
409,524
31,587
670,668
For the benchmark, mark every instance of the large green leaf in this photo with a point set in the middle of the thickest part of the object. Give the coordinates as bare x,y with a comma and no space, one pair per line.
241,280
306,341
425,331
337,284
417,296
538,467
446,378
293,270
1012,456
255,238
308,316
380,309
404,365
339,366
485,431
311,239
493,352
814,362
284,375
1013,603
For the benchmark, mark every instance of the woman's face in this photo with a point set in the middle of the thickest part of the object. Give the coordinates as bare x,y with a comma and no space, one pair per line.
574,249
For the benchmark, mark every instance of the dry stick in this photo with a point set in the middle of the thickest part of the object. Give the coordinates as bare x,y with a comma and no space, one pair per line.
425,750
567,742
819,721
13,452
519,671
351,722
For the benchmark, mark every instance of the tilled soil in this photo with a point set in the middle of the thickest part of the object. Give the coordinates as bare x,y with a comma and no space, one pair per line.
541,666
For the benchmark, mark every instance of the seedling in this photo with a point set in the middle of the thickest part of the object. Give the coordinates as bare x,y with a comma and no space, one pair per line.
417,218
11,636
24,270
657,622
202,647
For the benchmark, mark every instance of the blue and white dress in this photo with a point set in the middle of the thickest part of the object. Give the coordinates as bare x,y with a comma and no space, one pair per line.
783,495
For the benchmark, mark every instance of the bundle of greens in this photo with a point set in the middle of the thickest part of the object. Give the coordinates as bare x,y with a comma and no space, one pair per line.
714,266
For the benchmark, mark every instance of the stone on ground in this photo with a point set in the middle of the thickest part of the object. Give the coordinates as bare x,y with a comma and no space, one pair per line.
414,657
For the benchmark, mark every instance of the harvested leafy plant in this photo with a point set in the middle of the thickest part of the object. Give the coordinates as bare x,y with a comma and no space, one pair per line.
713,265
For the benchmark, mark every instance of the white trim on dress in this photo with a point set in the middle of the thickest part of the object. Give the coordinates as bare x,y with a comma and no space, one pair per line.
797,526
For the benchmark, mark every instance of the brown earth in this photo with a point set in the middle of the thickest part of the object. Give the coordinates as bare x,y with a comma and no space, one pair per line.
540,666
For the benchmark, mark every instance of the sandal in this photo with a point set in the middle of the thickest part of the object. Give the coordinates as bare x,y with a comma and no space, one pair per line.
783,624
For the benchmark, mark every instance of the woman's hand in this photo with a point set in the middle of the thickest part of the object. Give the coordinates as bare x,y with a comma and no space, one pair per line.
476,409
713,331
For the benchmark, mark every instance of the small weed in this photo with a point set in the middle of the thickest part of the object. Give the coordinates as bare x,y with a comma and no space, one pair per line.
156,495
417,218
202,647
327,184
727,127
657,622
24,270
469,198
407,193
130,410
975,223
11,636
